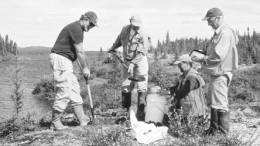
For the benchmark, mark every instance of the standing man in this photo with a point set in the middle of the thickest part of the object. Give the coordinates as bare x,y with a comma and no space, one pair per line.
220,60
135,46
189,94
67,49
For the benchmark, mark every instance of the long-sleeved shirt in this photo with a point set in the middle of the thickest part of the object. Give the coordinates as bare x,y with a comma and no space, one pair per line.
222,53
135,44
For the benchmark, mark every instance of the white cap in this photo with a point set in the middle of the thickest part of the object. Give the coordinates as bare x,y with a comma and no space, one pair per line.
136,20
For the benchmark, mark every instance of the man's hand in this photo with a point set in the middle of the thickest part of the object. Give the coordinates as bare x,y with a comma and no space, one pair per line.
86,72
131,68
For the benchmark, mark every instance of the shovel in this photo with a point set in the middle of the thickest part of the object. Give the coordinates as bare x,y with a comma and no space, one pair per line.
89,95
90,99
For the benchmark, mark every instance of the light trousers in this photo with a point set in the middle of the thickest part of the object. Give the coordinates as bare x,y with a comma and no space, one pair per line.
218,86
141,68
66,84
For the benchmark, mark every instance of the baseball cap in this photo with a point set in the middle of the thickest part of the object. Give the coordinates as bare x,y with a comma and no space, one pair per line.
136,20
183,58
92,17
213,12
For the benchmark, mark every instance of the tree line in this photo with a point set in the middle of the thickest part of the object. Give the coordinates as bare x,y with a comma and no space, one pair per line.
7,46
248,46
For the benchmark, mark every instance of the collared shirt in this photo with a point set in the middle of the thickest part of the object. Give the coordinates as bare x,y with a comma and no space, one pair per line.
222,52
135,44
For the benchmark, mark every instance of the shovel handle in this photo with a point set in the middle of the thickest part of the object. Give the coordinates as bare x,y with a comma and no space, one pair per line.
87,80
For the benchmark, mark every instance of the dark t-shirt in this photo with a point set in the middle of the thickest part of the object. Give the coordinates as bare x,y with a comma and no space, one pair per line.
69,35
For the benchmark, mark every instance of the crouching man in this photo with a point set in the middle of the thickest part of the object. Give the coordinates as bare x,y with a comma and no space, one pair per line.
189,94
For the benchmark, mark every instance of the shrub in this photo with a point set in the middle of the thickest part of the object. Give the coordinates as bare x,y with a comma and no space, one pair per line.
164,76
244,85
191,133
44,88
11,128
104,96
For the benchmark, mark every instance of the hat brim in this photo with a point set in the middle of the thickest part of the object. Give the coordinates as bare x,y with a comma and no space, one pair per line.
177,62
205,18
94,23
136,24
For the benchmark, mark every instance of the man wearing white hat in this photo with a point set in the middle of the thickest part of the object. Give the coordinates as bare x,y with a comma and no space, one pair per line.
135,46
189,94
220,60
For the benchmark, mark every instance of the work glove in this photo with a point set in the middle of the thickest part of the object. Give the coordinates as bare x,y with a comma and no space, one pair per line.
131,69
86,72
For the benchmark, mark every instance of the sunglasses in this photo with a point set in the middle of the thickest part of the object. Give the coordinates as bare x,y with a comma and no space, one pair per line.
212,19
92,24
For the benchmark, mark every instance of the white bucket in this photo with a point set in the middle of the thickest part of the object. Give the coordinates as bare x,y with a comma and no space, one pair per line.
155,108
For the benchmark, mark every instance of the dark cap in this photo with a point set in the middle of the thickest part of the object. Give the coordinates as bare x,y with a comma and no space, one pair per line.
92,17
214,12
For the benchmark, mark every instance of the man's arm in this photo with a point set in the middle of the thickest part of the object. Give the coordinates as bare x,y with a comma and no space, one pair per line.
116,44
190,84
221,49
82,59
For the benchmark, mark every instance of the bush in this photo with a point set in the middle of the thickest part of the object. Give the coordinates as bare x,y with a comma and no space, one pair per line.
11,128
109,98
191,133
44,88
244,85
164,76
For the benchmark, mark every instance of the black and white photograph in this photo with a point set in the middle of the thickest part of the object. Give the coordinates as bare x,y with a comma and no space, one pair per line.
130,73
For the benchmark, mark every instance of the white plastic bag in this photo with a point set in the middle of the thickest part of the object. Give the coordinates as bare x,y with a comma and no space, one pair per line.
146,133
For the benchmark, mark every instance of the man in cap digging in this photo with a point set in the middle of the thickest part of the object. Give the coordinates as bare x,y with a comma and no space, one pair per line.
67,49
220,60
135,46
188,93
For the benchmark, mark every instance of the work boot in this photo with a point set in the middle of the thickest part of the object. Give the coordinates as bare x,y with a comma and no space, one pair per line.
140,114
223,121
83,119
213,123
126,100
56,122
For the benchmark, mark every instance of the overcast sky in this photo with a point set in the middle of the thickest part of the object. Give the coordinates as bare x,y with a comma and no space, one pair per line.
38,22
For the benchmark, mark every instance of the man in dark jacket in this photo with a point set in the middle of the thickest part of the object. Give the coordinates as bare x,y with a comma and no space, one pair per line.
189,94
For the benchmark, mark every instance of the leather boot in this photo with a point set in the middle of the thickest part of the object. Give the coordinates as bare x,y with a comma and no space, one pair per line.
126,100
223,121
79,113
213,123
140,114
56,123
